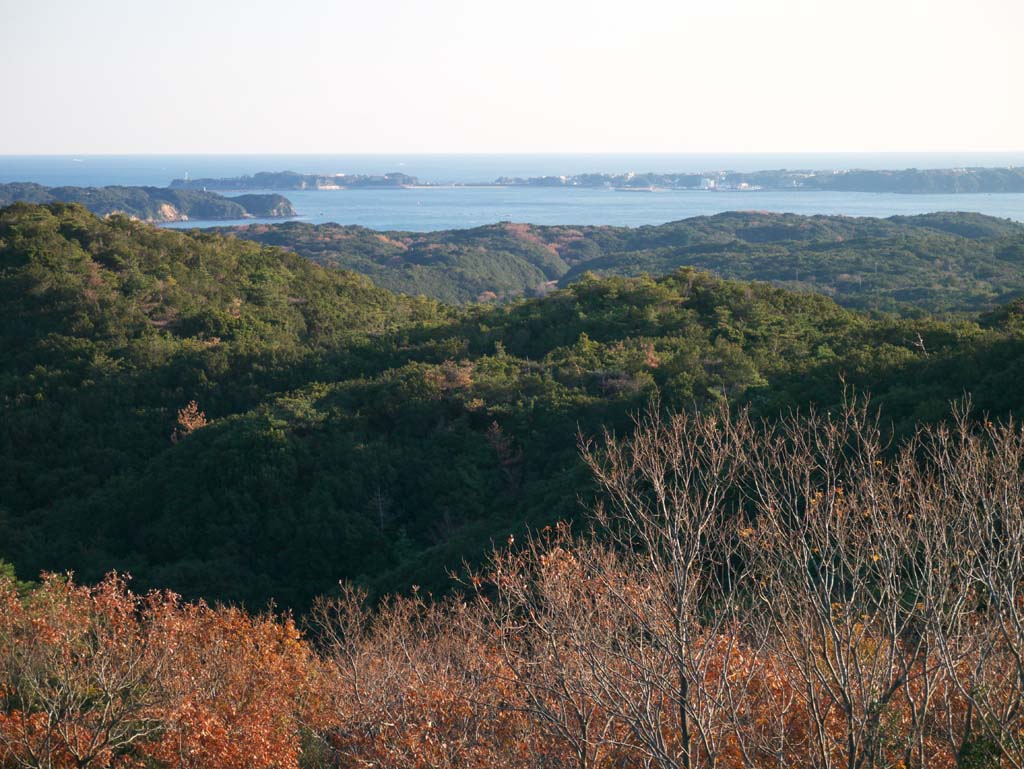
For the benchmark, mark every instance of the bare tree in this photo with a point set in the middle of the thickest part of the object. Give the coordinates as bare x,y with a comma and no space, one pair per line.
540,602
839,577
937,537
409,683
983,468
670,509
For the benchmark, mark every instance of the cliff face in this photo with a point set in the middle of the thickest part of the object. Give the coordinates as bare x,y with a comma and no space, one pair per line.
169,213
151,204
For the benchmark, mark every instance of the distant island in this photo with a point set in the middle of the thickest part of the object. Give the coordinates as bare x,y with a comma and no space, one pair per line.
290,180
152,204
907,181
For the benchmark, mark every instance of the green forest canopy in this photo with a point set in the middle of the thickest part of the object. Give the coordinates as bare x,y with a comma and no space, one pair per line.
943,262
151,204
356,433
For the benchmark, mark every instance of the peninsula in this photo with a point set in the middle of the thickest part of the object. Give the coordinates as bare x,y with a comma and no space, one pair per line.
152,204
290,180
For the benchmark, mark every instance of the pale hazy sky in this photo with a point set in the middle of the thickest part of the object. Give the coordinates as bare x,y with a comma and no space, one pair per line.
127,76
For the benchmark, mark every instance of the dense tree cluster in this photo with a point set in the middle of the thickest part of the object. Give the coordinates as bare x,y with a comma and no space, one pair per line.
944,262
151,204
232,422
748,595
764,572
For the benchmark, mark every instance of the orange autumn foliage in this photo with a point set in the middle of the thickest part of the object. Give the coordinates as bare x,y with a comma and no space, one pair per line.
103,677
746,603
236,692
83,672
190,419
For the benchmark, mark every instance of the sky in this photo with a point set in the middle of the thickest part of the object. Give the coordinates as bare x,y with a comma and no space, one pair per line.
352,76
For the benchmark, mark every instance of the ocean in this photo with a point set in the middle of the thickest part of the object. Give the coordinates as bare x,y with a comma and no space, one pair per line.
459,207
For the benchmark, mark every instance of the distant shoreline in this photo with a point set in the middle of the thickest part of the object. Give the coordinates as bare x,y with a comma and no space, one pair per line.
912,181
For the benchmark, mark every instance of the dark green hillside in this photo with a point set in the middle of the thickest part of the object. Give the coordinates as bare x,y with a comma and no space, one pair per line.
453,266
151,204
353,433
969,225
111,326
946,262
949,264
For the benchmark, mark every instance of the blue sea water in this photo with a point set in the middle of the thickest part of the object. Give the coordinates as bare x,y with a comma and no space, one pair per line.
458,207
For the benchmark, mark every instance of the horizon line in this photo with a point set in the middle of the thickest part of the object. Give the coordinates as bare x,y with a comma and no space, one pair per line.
520,153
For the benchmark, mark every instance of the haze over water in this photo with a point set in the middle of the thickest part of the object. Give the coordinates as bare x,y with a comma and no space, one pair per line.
457,207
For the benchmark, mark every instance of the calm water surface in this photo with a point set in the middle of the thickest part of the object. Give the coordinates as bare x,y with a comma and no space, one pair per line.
458,207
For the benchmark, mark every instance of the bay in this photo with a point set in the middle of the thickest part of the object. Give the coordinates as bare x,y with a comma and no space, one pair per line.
452,207
424,210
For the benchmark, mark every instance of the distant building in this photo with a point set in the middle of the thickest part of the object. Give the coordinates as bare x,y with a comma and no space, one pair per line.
708,184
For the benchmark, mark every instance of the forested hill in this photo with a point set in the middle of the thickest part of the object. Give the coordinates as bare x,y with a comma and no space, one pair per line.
151,204
946,262
341,431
